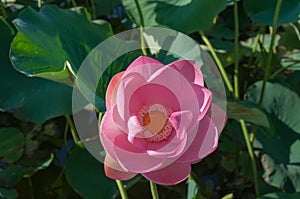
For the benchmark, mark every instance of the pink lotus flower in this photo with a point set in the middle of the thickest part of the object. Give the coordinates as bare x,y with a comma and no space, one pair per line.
158,121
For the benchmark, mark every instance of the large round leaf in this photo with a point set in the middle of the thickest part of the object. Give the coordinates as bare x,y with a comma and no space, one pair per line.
282,102
53,43
86,175
29,98
11,145
11,176
279,145
280,195
185,16
8,193
262,11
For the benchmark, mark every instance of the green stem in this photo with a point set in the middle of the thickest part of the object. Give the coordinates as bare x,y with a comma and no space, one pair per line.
154,191
122,189
60,175
253,58
236,51
255,43
74,4
142,25
236,95
100,116
296,30
217,60
251,155
31,188
273,31
252,136
66,136
283,69
72,129
93,9
39,3
2,10
269,58
88,5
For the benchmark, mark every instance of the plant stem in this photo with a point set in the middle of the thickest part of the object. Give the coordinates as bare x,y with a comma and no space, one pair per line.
74,4
122,189
73,130
39,3
251,155
66,136
31,188
217,60
142,25
256,42
236,96
100,116
269,58
283,69
154,191
2,10
236,51
93,9
253,58
273,31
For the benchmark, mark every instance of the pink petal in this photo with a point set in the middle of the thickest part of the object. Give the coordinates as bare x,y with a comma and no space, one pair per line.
111,91
150,94
130,157
170,150
145,66
109,132
129,83
180,121
218,116
205,142
134,133
190,70
134,128
170,175
180,87
113,170
118,120
133,161
204,97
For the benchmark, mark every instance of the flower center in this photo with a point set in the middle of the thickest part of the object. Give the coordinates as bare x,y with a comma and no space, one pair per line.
156,126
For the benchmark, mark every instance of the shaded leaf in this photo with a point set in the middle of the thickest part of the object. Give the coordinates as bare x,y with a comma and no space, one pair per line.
105,7
280,195
43,164
282,102
11,145
279,145
198,14
262,11
11,176
86,175
290,37
247,111
8,193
